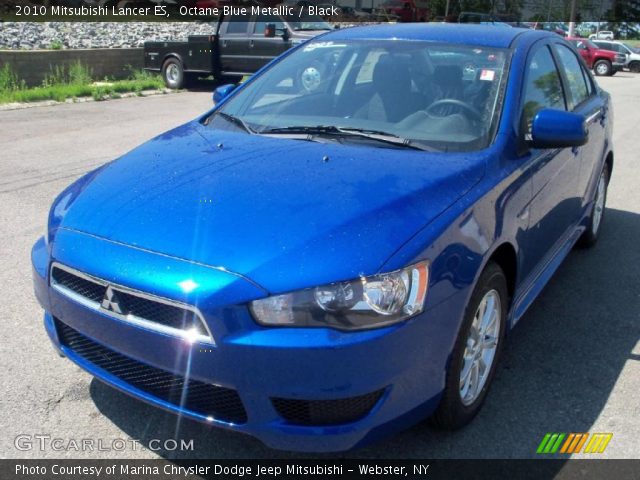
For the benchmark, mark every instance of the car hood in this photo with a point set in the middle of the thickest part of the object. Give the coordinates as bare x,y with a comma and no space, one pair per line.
285,213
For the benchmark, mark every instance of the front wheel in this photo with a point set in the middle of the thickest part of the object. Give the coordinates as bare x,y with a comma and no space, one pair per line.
603,68
591,234
634,67
476,352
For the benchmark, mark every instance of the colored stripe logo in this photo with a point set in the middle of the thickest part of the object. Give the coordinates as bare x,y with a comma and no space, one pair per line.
574,442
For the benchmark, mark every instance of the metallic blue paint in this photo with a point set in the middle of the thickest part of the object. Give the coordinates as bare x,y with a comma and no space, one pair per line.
223,91
246,216
557,129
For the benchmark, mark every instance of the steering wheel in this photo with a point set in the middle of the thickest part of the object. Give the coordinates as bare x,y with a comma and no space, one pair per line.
457,103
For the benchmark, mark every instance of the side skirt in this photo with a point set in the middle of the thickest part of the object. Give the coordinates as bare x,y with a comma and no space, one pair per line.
541,277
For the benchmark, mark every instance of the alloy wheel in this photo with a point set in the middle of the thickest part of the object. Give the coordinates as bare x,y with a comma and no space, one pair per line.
481,347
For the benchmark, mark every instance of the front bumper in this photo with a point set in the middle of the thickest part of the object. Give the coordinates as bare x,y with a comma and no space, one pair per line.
406,362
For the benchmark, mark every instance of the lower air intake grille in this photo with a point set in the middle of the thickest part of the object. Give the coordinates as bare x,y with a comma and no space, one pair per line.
326,412
203,398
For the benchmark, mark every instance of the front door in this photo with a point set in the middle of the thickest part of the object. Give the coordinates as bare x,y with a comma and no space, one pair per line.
555,205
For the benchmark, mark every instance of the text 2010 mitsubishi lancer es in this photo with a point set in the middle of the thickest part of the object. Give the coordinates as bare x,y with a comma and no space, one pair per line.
337,249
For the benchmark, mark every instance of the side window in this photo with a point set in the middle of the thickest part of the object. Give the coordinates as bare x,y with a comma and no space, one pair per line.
587,79
262,21
573,70
237,26
543,88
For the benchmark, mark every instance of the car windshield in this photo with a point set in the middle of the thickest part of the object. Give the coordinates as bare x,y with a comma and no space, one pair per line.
444,97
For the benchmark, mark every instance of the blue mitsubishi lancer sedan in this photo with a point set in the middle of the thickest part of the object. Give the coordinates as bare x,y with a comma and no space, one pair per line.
338,248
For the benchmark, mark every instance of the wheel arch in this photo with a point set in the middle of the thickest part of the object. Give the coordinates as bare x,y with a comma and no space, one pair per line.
173,56
608,161
506,257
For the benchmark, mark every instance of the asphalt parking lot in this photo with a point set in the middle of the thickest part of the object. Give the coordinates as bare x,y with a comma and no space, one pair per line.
571,365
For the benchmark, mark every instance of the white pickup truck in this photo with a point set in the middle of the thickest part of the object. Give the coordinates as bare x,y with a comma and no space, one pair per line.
632,55
602,35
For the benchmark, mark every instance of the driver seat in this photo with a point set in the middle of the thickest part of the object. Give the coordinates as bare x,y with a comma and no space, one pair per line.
449,84
391,100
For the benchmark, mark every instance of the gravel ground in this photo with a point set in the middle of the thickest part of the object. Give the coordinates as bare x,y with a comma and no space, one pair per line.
29,35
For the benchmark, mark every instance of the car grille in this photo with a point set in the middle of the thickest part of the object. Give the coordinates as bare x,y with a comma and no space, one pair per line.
206,399
326,412
85,288
135,307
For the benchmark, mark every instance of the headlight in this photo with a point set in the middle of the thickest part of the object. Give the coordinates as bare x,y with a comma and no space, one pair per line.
367,302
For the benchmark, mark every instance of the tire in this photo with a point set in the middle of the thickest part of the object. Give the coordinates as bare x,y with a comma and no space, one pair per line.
173,73
634,67
454,411
603,68
594,225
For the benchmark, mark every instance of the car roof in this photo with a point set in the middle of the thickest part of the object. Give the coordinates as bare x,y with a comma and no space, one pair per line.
456,33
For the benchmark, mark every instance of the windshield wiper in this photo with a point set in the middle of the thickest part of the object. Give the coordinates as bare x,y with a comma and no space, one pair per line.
377,135
302,129
236,121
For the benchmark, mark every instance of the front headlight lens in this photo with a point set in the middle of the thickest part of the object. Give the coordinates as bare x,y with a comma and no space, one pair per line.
367,302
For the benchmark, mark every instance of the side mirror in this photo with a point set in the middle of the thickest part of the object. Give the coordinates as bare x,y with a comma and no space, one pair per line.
286,35
270,30
222,92
558,129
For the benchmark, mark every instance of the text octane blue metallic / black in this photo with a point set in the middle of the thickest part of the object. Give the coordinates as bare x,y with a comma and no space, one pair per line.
337,249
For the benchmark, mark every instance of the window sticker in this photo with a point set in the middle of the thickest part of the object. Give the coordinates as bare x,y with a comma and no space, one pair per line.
487,75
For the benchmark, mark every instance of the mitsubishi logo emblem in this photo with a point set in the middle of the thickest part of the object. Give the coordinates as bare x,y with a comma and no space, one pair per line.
110,301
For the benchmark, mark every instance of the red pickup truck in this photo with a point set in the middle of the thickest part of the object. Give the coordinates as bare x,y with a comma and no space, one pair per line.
603,62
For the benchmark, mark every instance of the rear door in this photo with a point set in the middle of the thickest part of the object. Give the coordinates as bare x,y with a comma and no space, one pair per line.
234,46
555,206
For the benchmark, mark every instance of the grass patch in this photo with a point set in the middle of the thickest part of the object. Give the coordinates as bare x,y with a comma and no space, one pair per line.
76,81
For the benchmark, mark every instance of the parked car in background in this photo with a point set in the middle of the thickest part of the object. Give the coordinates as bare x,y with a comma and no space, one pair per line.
555,27
603,62
352,14
406,10
632,55
370,242
237,46
602,35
